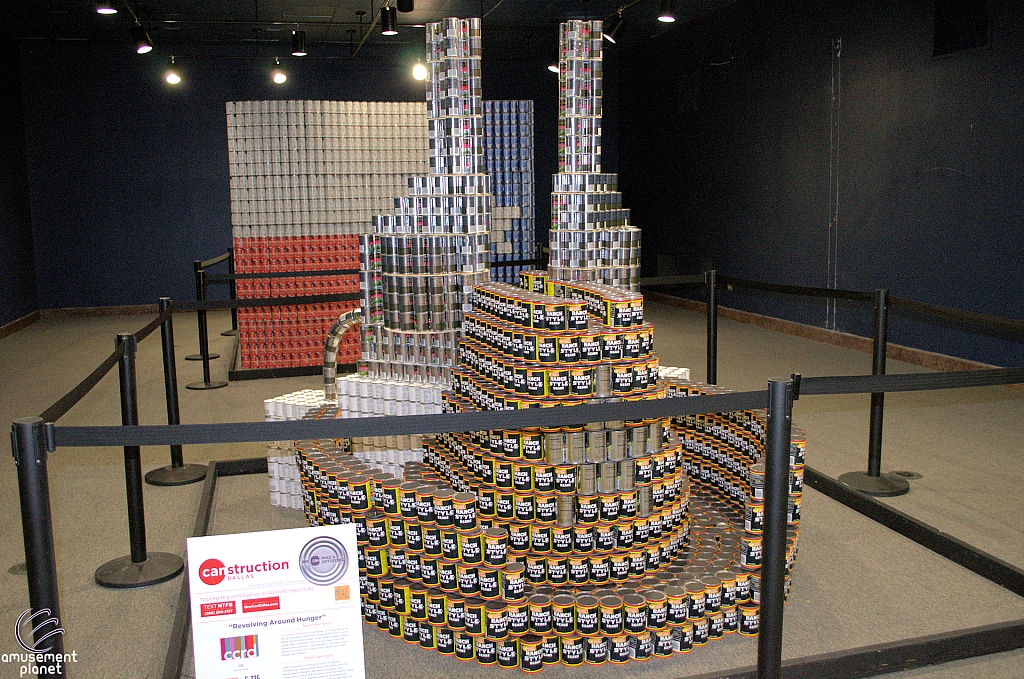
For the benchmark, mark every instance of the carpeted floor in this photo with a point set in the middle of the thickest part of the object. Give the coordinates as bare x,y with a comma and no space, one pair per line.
855,582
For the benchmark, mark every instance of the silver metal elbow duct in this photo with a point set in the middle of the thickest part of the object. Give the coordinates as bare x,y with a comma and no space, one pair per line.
344,322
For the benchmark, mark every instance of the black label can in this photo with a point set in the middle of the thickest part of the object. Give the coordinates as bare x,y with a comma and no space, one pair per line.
518,618
573,651
445,640
490,587
486,650
455,611
596,650
619,649
465,649
588,621
474,618
531,655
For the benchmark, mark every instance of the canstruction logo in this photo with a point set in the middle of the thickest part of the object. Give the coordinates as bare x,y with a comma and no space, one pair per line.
240,648
323,561
214,572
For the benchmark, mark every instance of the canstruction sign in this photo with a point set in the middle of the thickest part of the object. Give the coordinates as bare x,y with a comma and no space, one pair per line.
276,604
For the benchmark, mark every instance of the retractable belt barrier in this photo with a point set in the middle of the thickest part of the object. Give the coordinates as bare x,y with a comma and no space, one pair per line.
209,304
70,399
237,432
799,290
216,260
228,277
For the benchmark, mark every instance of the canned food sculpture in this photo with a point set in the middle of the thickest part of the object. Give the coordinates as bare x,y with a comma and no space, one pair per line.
588,543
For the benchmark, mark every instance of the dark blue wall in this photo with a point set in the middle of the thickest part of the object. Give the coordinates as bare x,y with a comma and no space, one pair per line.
17,267
725,154
129,177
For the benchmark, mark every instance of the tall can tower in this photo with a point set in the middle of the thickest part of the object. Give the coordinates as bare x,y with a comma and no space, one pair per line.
590,238
422,261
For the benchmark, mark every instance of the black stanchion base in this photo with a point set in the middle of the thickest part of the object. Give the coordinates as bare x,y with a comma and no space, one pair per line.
886,485
176,476
121,573
215,384
199,357
18,569
229,333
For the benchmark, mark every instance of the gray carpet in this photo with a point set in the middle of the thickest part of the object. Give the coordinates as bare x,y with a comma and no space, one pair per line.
855,583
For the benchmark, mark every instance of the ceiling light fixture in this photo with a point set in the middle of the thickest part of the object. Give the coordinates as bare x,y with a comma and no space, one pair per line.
613,27
143,45
388,20
667,14
419,71
299,44
278,75
105,8
405,6
553,66
171,76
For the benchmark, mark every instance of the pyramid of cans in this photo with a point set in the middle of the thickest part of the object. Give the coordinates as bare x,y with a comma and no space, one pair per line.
590,237
589,543
422,261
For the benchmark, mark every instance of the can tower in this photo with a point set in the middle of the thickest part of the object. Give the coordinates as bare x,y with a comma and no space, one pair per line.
590,238
421,262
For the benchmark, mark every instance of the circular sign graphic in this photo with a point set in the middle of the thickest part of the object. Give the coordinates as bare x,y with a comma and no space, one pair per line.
323,561
211,571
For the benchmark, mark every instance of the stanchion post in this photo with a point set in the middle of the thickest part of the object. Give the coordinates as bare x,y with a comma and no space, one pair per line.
874,482
233,292
140,568
30,450
132,454
878,351
711,290
178,473
204,338
773,553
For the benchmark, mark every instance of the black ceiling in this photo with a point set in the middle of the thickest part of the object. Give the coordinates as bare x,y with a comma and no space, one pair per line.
333,27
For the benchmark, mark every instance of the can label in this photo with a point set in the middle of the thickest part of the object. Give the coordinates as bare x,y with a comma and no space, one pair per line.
572,651
543,477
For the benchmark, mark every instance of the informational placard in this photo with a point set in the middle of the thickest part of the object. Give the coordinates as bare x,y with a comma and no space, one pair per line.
276,605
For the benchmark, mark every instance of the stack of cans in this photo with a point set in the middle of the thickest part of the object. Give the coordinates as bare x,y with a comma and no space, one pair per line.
590,237
312,163
423,259
509,154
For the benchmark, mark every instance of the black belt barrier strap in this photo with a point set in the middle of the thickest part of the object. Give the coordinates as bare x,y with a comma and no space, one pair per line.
68,401
216,260
266,301
514,419
227,277
797,289
153,325
239,432
1008,326
868,384
672,280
